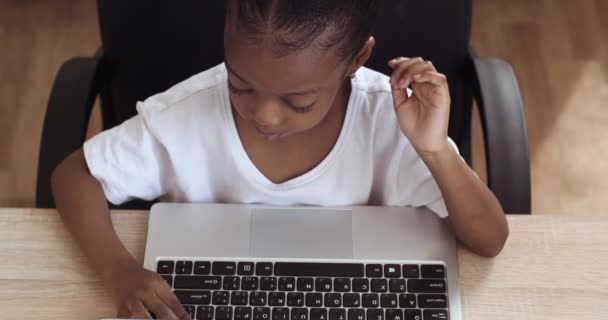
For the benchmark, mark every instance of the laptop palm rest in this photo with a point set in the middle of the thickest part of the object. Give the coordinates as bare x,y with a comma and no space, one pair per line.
301,233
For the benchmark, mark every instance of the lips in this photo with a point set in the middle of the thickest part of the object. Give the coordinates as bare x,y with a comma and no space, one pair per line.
270,136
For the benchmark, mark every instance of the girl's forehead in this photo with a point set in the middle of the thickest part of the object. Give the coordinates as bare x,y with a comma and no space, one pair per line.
258,64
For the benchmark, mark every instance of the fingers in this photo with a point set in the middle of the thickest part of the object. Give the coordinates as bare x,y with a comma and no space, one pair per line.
167,296
159,308
433,77
407,72
404,71
133,310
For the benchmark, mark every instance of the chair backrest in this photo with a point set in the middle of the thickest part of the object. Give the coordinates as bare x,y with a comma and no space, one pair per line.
150,46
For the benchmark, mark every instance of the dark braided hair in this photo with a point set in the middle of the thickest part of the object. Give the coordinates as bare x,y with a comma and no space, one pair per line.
297,24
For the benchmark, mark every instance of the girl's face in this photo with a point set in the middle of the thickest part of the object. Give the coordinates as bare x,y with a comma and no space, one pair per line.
281,95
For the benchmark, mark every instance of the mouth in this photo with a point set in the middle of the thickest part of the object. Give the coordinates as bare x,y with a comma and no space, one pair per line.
270,136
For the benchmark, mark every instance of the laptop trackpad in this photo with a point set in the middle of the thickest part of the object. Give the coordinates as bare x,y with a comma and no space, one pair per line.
301,233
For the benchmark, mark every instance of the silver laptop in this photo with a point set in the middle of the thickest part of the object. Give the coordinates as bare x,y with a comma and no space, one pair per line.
250,262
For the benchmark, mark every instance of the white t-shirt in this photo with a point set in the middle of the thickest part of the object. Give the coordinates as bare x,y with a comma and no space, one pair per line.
183,146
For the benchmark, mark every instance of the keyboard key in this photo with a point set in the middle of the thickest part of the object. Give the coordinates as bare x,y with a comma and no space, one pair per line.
426,286
202,267
193,296
204,313
223,268
375,314
299,314
191,311
392,271
337,314
197,282
323,284
169,279
388,301
356,314
431,314
231,283
183,267
257,298
276,299
238,298
306,284
245,268
373,270
371,300
407,301
432,301
307,269
318,314
432,271
287,284
263,268
342,284
413,314
333,300
268,283
165,267
242,313
396,285
261,313
223,313
314,299
410,271
249,283
295,299
394,314
351,300
379,285
221,298
360,285
280,313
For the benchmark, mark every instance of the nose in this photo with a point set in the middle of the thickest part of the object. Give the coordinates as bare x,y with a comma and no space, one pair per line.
267,114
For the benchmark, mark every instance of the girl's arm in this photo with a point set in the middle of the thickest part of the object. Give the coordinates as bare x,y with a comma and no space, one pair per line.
475,214
82,205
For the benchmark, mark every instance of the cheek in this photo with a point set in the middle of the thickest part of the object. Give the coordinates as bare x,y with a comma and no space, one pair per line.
242,105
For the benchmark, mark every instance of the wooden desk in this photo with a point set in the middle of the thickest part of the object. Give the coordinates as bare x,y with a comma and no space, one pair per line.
551,268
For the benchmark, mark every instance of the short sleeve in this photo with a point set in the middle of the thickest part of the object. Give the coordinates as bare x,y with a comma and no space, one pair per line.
128,162
415,185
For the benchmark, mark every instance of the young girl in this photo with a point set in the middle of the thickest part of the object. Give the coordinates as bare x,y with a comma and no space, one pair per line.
290,118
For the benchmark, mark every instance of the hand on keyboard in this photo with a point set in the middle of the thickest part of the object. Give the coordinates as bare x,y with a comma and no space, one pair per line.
142,294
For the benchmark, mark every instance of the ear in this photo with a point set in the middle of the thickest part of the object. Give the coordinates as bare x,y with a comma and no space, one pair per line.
363,55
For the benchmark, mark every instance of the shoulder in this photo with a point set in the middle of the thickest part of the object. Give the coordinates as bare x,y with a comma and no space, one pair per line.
201,91
195,103
376,111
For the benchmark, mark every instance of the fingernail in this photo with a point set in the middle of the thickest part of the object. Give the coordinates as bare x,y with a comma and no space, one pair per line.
416,76
402,83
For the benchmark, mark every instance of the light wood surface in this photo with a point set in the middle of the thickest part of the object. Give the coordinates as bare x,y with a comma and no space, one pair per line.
558,49
553,267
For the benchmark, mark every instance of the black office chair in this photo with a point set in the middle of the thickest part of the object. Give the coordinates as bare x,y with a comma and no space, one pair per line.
147,48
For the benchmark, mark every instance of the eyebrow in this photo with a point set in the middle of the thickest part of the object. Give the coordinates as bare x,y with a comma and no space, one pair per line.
299,93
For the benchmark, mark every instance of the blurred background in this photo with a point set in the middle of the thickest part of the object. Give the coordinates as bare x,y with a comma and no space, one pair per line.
558,49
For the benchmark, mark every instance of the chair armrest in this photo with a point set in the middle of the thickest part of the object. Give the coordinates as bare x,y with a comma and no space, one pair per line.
505,135
66,119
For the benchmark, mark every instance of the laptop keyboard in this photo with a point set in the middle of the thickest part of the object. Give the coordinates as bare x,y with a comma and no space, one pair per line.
288,290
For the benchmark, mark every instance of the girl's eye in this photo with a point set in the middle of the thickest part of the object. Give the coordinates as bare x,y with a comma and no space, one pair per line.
240,92
236,90
300,109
